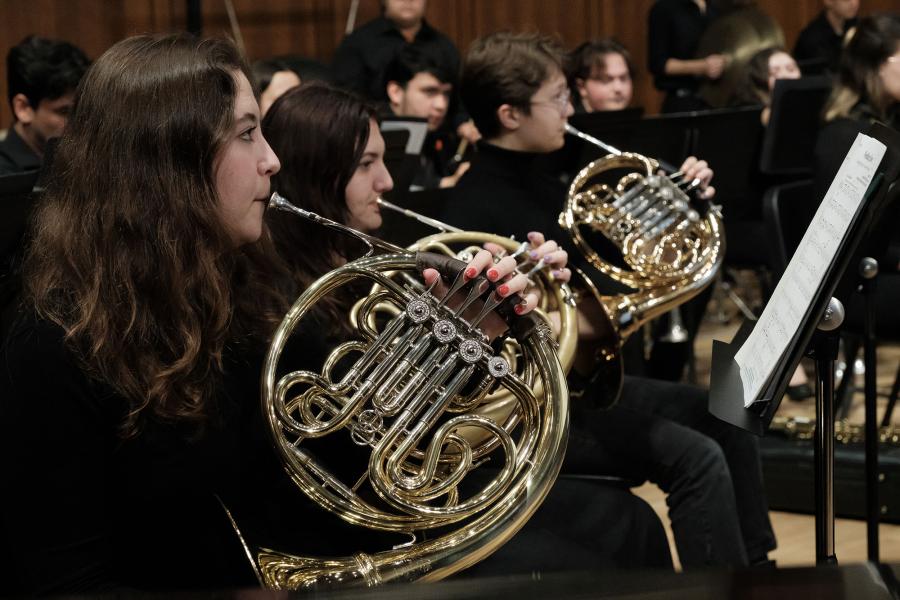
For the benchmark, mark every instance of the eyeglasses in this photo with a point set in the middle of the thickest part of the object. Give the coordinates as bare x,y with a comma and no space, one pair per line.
560,102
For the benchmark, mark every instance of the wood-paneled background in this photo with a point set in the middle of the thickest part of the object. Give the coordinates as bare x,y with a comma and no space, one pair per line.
315,27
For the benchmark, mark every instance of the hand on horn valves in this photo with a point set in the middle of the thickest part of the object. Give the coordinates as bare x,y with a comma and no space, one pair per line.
508,279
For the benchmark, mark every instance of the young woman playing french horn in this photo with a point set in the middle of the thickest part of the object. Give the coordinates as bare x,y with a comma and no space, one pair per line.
129,384
332,153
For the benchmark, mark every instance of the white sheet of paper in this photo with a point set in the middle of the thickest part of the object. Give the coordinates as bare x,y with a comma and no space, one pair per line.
764,348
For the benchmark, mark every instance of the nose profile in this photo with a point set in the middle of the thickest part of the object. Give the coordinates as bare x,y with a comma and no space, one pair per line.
270,164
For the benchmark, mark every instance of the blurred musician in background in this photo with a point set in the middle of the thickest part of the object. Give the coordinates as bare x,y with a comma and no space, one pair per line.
362,57
600,75
674,28
818,47
867,91
515,90
271,79
416,86
332,157
41,76
760,74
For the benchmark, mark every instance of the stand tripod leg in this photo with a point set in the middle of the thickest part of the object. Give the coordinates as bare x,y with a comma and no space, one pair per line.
824,461
825,351
868,271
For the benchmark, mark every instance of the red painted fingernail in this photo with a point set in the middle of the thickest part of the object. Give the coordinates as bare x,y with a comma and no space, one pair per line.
493,274
470,272
503,290
519,309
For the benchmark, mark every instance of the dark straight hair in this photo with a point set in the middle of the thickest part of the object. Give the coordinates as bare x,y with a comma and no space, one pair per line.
319,133
43,69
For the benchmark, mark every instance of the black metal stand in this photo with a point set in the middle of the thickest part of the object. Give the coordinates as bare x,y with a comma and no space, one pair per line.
868,271
825,350
194,17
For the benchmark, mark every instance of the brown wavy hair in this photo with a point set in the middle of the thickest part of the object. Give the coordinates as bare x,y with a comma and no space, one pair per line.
128,255
319,133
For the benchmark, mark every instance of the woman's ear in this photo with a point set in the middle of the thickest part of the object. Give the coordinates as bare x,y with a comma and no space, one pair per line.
509,116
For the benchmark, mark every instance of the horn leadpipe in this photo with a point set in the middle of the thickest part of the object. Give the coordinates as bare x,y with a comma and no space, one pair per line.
675,175
440,225
281,203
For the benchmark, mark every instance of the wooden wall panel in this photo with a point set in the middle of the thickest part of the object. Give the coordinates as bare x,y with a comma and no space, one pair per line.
315,27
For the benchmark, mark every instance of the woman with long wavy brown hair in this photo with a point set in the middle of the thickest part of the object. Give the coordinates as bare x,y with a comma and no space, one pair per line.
129,384
150,276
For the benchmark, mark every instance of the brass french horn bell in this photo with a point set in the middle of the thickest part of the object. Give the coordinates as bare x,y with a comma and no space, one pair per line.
656,239
405,389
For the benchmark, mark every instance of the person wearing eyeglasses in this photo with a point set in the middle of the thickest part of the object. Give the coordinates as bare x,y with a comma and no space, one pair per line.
517,94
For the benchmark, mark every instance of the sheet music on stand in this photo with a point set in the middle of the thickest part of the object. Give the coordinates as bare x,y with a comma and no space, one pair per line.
774,332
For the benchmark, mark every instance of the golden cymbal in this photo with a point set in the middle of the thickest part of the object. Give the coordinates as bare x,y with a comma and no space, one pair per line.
738,35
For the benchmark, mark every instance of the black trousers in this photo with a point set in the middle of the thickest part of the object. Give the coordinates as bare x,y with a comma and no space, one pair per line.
583,525
710,470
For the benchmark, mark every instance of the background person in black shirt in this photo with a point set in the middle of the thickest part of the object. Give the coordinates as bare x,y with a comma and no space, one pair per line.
362,57
674,28
818,46
41,78
517,95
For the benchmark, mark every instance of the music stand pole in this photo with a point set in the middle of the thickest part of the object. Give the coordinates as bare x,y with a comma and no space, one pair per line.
825,351
868,271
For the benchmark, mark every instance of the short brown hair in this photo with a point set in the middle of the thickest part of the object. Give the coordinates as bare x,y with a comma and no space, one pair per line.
589,59
506,68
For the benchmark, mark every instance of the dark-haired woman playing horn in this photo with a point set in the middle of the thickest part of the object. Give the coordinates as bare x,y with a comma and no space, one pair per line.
129,385
332,163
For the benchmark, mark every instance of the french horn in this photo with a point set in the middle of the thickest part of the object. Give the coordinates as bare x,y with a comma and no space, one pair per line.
403,390
663,248
643,230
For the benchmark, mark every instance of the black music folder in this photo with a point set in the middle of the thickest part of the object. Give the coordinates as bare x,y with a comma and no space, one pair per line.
748,397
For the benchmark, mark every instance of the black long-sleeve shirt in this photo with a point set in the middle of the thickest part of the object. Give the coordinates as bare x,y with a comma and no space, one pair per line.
674,28
16,156
818,46
363,56
85,510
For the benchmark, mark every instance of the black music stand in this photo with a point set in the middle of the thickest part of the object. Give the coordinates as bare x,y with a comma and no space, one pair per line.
809,338
793,125
404,138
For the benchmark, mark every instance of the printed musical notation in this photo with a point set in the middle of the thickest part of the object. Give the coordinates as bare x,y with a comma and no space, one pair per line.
764,348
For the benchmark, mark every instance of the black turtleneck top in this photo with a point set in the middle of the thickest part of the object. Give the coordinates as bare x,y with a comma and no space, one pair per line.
507,193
